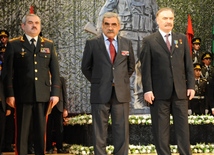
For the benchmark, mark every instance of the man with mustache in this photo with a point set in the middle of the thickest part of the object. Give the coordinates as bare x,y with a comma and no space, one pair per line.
168,82
137,22
28,61
108,62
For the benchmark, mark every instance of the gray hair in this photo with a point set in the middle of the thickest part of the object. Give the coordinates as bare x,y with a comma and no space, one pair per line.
164,9
110,15
24,19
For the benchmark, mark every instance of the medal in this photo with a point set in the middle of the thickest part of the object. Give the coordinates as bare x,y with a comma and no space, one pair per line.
176,43
23,52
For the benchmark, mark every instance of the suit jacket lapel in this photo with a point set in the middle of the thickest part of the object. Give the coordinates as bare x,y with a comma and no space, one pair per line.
118,50
38,45
160,40
173,38
101,43
26,43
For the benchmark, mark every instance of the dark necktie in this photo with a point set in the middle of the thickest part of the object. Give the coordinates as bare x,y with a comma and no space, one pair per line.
33,47
112,50
167,42
197,82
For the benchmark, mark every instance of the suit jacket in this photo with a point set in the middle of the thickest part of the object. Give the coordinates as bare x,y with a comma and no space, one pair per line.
26,73
62,104
98,69
164,71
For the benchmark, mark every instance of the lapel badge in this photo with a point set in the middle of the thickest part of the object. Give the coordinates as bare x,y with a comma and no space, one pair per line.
125,53
176,43
23,52
180,41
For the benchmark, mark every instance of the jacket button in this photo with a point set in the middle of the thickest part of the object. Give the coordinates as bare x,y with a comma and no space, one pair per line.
36,78
35,62
34,55
36,70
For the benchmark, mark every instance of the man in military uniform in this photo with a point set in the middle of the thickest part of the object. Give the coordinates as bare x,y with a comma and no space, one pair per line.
196,53
28,61
137,22
2,113
9,125
199,104
207,70
4,35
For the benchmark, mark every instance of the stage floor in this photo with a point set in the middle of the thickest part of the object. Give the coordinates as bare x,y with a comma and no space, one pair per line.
12,153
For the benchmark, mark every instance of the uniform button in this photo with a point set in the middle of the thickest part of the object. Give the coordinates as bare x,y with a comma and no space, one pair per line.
34,55
36,78
171,56
45,56
36,70
113,68
35,62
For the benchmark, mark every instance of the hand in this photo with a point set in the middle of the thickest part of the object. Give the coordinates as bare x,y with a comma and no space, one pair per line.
11,101
206,111
189,112
190,93
149,97
8,112
55,100
65,113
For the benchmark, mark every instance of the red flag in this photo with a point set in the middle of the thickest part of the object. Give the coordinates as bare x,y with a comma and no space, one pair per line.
190,34
31,9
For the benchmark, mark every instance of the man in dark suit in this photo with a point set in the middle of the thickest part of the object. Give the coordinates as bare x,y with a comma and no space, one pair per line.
28,60
55,121
168,81
108,62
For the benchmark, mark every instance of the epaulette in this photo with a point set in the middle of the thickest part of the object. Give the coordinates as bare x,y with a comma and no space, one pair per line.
14,39
45,39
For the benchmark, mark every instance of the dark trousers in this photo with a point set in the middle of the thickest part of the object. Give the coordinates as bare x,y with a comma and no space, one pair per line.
120,125
24,114
160,114
55,121
198,106
2,126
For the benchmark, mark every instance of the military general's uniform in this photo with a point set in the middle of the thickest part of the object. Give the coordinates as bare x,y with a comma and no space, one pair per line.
26,77
2,114
199,102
